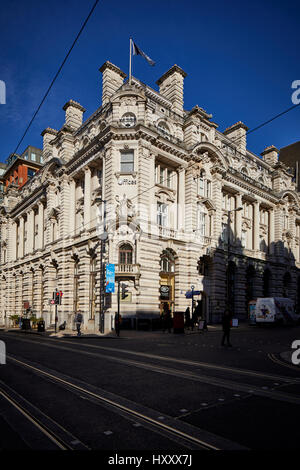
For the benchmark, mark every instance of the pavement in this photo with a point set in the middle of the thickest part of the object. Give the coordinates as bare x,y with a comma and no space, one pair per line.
124,333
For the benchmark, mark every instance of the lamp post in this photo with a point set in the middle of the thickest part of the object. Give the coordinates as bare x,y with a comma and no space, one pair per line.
103,238
228,249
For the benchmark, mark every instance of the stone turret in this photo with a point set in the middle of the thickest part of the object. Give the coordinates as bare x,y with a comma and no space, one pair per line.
112,80
171,87
237,133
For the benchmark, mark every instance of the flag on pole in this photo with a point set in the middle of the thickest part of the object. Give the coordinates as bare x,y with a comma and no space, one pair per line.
137,51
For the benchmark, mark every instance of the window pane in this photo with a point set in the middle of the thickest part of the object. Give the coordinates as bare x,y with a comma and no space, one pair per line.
126,167
127,157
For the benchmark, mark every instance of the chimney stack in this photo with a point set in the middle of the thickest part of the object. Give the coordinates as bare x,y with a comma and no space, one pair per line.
270,155
171,87
112,80
237,133
74,114
48,135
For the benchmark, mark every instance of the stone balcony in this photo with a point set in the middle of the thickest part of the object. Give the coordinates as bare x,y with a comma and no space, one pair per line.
166,232
202,239
125,269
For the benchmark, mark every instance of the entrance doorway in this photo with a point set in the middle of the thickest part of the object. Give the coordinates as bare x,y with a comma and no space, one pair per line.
167,280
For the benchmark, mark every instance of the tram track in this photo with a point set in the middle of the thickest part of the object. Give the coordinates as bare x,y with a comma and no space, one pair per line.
168,359
53,435
190,436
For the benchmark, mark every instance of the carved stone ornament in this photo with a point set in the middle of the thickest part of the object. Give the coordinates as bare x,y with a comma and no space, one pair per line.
124,209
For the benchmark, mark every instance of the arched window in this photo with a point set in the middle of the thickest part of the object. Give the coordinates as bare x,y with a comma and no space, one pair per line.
286,284
76,284
125,254
167,262
231,279
164,129
128,120
266,283
92,295
250,277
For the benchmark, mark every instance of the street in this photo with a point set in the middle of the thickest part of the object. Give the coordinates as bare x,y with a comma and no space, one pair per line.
151,391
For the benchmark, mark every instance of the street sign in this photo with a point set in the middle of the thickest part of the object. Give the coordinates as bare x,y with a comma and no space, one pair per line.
110,278
52,301
189,294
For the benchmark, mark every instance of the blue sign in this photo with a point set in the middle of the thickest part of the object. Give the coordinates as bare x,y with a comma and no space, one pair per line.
189,294
110,278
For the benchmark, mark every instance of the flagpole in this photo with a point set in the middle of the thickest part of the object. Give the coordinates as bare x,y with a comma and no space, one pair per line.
130,49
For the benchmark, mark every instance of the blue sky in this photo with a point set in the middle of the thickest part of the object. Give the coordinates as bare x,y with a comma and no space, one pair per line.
241,59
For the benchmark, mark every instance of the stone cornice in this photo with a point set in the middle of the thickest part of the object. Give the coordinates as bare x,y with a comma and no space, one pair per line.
173,69
251,185
74,104
234,127
48,130
114,68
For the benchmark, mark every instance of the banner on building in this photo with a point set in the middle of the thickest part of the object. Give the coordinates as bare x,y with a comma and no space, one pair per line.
110,278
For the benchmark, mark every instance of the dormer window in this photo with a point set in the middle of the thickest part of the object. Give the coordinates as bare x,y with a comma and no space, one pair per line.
128,120
164,129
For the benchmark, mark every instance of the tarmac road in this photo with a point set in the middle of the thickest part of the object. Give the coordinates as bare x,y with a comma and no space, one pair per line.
151,391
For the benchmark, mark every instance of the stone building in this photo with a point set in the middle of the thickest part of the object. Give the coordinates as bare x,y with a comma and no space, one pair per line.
185,204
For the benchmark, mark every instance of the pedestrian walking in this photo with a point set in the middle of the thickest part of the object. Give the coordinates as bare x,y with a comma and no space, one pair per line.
187,317
118,320
226,323
78,322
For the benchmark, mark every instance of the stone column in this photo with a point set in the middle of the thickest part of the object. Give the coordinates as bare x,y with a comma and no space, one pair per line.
21,238
87,198
238,218
256,226
40,241
271,228
13,242
72,207
181,199
30,230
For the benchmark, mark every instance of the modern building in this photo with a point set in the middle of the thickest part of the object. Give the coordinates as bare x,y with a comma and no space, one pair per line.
163,195
21,168
290,156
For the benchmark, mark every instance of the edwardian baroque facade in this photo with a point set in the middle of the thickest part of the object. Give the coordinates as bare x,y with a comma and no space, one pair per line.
185,205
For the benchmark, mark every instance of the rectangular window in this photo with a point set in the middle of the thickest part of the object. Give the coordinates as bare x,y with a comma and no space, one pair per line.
224,234
201,222
161,175
127,161
169,178
208,189
162,214
243,238
201,186
33,157
30,173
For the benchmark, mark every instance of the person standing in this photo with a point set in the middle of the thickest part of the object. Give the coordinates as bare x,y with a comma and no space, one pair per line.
78,321
166,318
117,323
226,323
187,316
